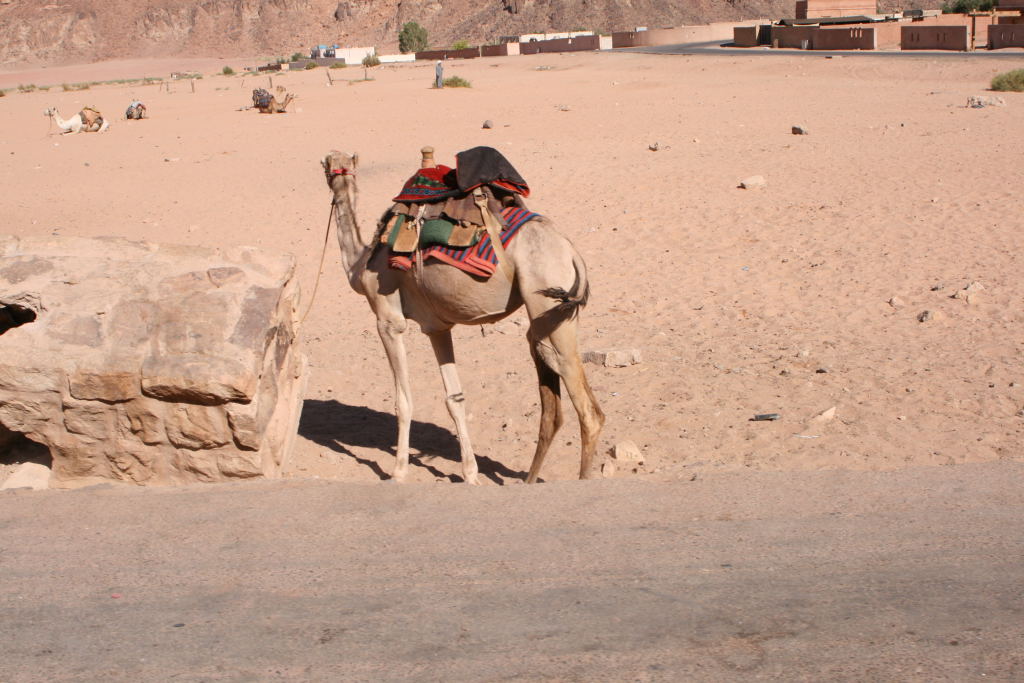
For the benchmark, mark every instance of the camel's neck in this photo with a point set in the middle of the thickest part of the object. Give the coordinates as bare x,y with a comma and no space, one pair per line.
349,237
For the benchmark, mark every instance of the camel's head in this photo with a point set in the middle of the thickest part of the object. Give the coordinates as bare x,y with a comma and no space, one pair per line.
340,169
49,111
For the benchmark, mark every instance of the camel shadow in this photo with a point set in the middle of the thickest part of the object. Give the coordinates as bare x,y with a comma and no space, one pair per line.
340,427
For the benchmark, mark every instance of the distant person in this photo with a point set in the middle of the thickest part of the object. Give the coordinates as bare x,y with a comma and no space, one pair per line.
439,75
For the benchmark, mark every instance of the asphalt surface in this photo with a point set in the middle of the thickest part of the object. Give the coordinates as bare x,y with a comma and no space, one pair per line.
910,575
718,47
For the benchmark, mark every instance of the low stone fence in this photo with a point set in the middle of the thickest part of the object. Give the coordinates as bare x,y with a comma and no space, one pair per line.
934,38
149,364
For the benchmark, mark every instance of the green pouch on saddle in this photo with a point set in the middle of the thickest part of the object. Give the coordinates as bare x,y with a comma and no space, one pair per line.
401,235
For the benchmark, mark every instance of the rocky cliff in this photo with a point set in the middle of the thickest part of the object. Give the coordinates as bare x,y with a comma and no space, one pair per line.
80,31
39,32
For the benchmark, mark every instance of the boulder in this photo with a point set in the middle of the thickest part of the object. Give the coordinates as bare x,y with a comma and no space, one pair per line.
148,363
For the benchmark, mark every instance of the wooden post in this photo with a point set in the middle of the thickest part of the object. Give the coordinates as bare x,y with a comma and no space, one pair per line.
193,81
428,158
270,79
327,71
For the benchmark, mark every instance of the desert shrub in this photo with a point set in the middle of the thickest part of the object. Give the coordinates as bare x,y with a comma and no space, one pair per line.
310,65
26,88
228,71
1009,81
460,45
412,38
457,82
3,93
371,60
967,6
338,65
296,56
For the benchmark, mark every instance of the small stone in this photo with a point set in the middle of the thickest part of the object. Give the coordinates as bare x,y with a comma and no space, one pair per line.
969,293
626,452
654,146
607,470
822,371
897,302
28,475
799,130
753,182
614,358
928,316
982,101
488,124
938,286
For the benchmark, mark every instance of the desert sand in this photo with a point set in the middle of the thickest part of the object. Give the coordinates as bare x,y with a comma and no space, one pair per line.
794,298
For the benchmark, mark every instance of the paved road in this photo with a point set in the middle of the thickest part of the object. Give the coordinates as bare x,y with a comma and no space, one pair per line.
718,47
914,575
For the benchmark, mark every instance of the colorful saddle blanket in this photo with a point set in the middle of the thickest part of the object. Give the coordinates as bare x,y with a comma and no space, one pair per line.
479,259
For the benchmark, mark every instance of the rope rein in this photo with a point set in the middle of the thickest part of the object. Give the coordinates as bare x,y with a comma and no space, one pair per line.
320,271
323,252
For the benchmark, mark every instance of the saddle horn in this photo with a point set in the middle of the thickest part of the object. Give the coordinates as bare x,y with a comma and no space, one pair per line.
428,158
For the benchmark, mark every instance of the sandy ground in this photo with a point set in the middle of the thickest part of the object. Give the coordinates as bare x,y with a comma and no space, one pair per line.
741,301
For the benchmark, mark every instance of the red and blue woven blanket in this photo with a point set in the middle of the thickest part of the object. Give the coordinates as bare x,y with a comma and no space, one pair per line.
479,259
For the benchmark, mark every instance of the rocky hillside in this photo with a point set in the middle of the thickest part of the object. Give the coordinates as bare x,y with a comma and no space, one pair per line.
45,32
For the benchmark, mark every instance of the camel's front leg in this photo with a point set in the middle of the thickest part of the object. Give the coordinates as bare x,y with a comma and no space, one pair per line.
455,400
391,328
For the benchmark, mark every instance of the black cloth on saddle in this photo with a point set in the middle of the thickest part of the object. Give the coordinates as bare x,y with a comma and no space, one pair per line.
487,166
261,98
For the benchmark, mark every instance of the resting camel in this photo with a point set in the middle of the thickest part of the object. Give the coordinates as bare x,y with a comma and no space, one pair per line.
75,123
275,107
545,273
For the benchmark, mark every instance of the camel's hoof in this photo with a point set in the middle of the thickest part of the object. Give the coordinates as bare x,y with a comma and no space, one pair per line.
472,480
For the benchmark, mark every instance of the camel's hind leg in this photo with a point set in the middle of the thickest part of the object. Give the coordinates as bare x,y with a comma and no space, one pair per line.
550,409
556,348
454,399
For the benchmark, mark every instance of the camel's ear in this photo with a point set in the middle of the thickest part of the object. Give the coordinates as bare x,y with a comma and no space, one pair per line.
355,160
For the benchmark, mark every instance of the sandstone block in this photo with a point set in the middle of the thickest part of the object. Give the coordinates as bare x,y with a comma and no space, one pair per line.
149,364
754,182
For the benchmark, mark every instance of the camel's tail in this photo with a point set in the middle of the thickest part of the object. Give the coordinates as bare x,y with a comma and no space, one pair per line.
570,302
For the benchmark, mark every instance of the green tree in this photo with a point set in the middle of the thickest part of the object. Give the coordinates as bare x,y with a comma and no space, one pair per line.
967,6
412,37
460,45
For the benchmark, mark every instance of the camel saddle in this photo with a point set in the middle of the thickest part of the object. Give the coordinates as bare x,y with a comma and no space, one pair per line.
90,116
441,206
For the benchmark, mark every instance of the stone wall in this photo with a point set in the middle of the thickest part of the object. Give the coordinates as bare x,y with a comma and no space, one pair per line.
149,364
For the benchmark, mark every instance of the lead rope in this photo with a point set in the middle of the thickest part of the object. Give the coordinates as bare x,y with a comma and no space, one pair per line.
320,271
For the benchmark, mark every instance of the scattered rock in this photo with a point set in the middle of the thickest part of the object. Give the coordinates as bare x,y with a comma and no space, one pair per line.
654,146
928,316
824,416
799,130
822,371
607,470
897,302
626,452
969,293
938,286
753,182
28,475
488,124
982,101
615,358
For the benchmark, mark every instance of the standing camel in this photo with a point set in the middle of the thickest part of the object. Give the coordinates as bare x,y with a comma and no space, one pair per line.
544,272
75,123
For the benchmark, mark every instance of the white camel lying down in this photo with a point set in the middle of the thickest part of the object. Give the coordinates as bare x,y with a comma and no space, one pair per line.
75,124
